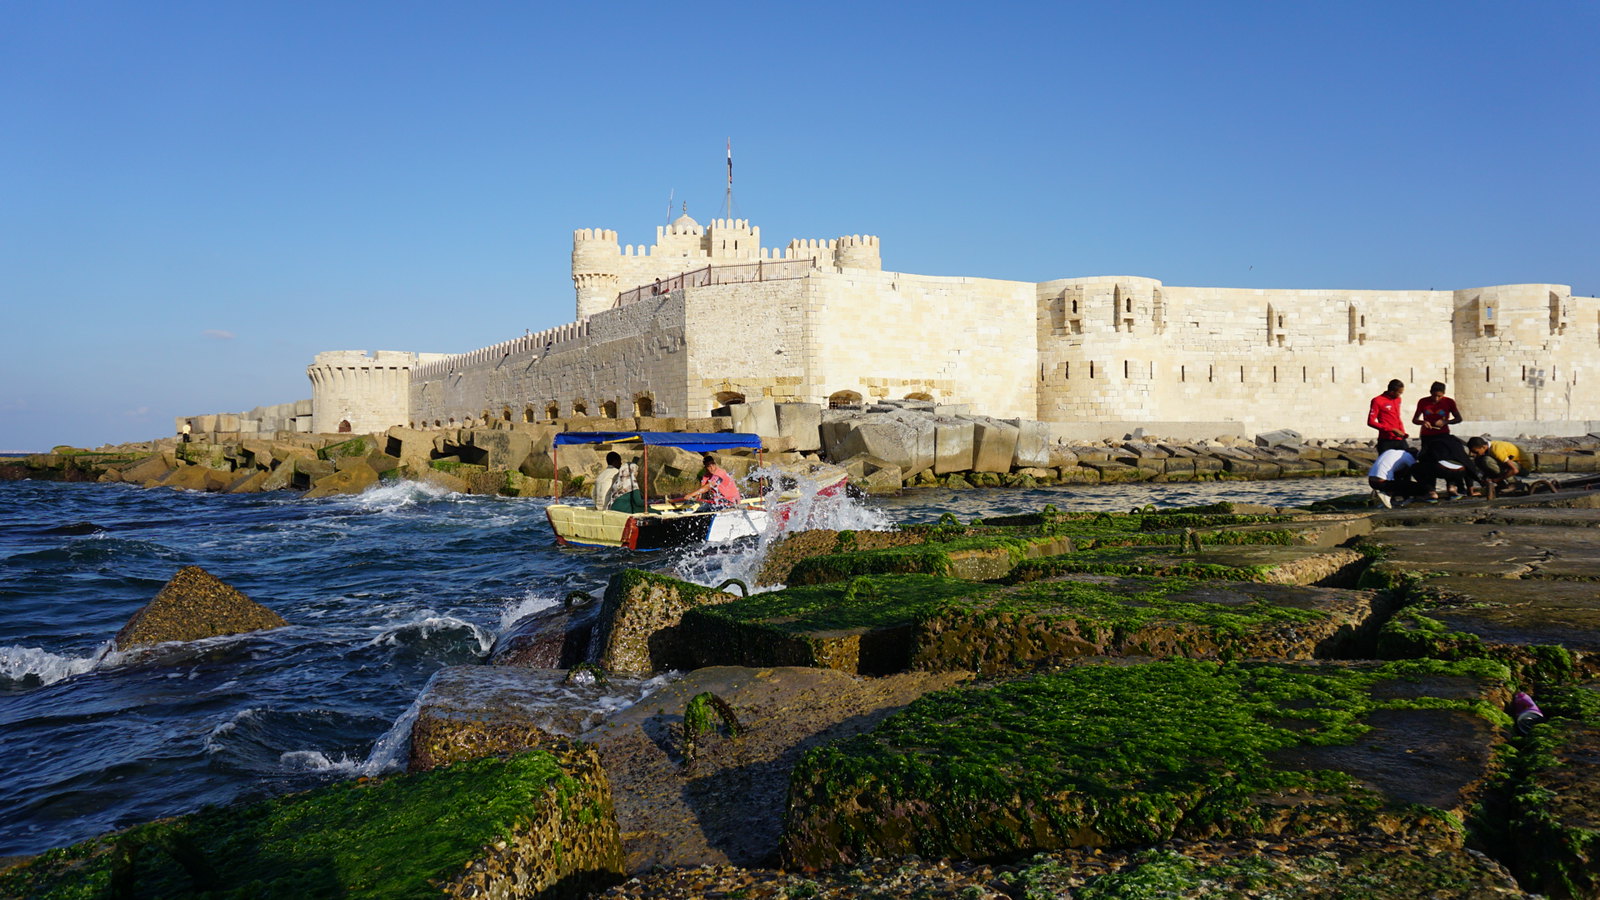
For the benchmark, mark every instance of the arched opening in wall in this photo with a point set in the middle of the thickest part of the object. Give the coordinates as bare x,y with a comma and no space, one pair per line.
644,406
920,395
844,400
608,409
505,413
728,398
529,414
486,418
580,408
452,421
344,426
552,411
437,423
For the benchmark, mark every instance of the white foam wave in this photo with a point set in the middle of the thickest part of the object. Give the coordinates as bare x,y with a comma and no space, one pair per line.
398,495
713,564
214,744
390,752
27,663
431,625
532,602
317,761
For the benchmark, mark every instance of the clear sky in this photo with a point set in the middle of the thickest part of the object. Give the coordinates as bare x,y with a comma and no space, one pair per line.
196,198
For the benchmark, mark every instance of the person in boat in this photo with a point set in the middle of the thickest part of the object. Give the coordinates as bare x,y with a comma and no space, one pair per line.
625,493
717,487
1499,462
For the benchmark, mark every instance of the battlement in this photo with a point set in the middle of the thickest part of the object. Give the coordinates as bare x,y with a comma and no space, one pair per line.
585,235
537,342
361,358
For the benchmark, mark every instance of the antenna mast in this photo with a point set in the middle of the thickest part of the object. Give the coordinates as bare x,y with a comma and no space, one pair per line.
728,202
670,195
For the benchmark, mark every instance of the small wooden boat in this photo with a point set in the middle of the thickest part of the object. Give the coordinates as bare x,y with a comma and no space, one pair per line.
674,523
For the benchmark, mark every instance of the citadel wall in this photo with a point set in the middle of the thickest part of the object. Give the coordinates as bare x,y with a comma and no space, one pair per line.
627,361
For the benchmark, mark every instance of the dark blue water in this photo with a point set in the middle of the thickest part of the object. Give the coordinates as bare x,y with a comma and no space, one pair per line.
380,591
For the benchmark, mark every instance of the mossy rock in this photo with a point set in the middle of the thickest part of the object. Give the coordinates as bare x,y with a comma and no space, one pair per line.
1051,622
1496,550
800,545
1545,631
979,558
536,824
1129,755
639,631
1555,810
1332,567
191,606
364,445
863,625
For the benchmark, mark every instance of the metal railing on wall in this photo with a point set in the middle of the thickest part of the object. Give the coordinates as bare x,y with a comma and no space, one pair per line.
764,270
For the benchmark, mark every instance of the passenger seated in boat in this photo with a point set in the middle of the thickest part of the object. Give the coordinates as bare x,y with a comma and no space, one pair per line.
624,493
716,486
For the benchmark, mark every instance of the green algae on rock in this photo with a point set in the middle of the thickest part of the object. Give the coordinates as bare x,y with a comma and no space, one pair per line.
1127,755
1051,622
539,822
1268,564
1555,809
638,630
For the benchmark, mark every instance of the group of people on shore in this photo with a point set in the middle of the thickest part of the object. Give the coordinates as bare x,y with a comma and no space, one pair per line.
1466,467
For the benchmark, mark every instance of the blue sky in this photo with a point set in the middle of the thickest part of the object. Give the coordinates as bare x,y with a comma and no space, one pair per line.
195,198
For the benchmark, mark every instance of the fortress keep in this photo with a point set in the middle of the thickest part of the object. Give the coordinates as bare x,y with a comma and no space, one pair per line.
706,316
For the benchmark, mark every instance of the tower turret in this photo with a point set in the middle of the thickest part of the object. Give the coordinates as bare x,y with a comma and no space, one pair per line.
857,251
596,263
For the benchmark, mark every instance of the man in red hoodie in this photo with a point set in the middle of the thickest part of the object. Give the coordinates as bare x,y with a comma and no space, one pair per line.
1384,415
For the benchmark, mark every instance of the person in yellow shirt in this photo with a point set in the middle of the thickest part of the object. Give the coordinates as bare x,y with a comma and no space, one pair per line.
1501,462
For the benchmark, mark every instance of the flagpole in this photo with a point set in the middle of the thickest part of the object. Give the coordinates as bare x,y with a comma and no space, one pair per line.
729,201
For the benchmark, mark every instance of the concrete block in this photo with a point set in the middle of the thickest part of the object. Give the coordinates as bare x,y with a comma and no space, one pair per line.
1033,444
907,443
994,445
953,446
1283,437
801,422
756,417
228,422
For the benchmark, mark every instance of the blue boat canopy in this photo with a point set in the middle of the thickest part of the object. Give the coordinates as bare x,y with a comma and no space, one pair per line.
693,442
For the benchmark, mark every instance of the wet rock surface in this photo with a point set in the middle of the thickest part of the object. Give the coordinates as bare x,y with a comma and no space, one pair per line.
468,712
1340,866
727,806
555,638
195,604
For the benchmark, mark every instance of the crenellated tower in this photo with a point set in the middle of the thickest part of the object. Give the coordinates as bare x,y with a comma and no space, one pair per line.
596,265
857,251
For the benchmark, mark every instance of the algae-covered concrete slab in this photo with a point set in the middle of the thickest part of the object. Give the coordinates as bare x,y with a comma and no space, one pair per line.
539,824
1130,755
1337,867
727,807
1545,630
467,712
1271,564
1052,622
1555,821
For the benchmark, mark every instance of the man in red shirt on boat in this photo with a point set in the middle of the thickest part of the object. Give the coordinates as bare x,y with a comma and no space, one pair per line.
717,487
1384,415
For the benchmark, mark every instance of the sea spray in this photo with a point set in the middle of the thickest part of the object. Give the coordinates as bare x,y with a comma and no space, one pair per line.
713,564
27,667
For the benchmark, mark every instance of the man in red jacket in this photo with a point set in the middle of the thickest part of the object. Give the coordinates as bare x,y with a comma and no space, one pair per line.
1384,415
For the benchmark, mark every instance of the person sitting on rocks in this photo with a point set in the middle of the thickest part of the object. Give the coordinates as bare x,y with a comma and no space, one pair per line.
1392,479
717,488
1499,462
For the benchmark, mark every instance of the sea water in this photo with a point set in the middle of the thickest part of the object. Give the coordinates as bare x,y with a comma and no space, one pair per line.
381,591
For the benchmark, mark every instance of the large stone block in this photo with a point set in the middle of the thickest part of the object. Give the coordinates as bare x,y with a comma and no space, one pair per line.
907,443
350,479
801,423
1033,444
501,450
756,417
639,629
193,605
994,445
953,446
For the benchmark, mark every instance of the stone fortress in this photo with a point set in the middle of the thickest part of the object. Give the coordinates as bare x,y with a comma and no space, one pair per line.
706,317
